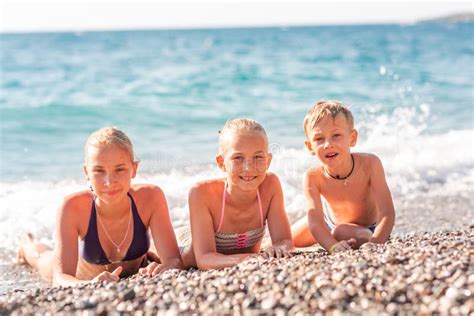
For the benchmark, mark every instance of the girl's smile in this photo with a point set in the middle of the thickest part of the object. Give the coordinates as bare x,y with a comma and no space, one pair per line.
246,160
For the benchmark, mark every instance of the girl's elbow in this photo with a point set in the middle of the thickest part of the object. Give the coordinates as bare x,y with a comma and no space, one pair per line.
289,244
178,264
202,265
204,268
57,279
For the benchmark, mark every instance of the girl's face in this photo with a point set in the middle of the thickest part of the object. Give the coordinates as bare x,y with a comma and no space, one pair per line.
110,170
245,160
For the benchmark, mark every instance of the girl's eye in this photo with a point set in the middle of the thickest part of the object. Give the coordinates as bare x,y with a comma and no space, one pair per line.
319,139
120,170
337,135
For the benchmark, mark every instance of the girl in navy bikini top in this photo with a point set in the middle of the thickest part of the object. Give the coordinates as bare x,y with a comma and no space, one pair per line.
91,250
110,166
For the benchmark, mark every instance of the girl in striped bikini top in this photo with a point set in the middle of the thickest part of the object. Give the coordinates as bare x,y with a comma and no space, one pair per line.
217,240
225,242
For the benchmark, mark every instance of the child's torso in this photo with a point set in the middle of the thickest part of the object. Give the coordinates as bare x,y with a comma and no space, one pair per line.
238,219
87,270
352,202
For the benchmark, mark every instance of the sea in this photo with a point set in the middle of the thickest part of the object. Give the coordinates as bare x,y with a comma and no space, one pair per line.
410,88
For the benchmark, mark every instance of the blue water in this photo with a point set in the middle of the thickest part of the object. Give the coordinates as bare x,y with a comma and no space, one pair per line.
410,88
172,90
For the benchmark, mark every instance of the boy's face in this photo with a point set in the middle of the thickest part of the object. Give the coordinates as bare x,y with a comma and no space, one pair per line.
330,139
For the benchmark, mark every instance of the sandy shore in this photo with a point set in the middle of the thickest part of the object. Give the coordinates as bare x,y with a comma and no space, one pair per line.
424,273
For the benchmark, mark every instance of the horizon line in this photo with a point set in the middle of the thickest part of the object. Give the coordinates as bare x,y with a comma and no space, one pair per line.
225,27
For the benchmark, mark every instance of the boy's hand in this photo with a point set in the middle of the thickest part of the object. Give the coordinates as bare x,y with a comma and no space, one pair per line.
342,245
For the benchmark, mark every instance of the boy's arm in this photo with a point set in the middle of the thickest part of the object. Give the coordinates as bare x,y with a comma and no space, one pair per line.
316,223
383,202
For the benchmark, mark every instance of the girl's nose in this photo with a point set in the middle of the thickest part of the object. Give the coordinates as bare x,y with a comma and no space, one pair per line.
108,180
249,164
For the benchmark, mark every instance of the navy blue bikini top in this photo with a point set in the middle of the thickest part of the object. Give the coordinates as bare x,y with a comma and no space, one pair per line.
91,250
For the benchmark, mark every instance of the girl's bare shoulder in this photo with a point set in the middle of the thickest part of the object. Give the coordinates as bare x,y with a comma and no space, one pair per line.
271,181
77,204
146,192
78,199
208,187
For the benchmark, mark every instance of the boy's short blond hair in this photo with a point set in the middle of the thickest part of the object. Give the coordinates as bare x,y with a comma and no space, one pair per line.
324,108
241,126
109,136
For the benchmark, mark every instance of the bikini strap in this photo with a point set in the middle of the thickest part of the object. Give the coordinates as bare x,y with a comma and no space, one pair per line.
134,208
222,208
260,207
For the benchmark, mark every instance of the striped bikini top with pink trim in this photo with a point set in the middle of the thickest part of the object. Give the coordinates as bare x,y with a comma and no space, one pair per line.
239,240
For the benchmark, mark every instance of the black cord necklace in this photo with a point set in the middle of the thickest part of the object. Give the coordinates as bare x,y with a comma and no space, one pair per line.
337,177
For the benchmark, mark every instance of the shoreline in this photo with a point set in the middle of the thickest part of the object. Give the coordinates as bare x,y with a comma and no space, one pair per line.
420,273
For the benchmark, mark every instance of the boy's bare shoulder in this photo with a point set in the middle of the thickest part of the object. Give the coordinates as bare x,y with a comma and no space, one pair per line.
367,160
313,173
365,156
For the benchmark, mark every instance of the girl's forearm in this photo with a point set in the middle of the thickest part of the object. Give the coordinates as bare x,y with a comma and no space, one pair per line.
215,260
173,263
286,244
63,279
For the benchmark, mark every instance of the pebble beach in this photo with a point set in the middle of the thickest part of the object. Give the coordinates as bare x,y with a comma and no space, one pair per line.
418,274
